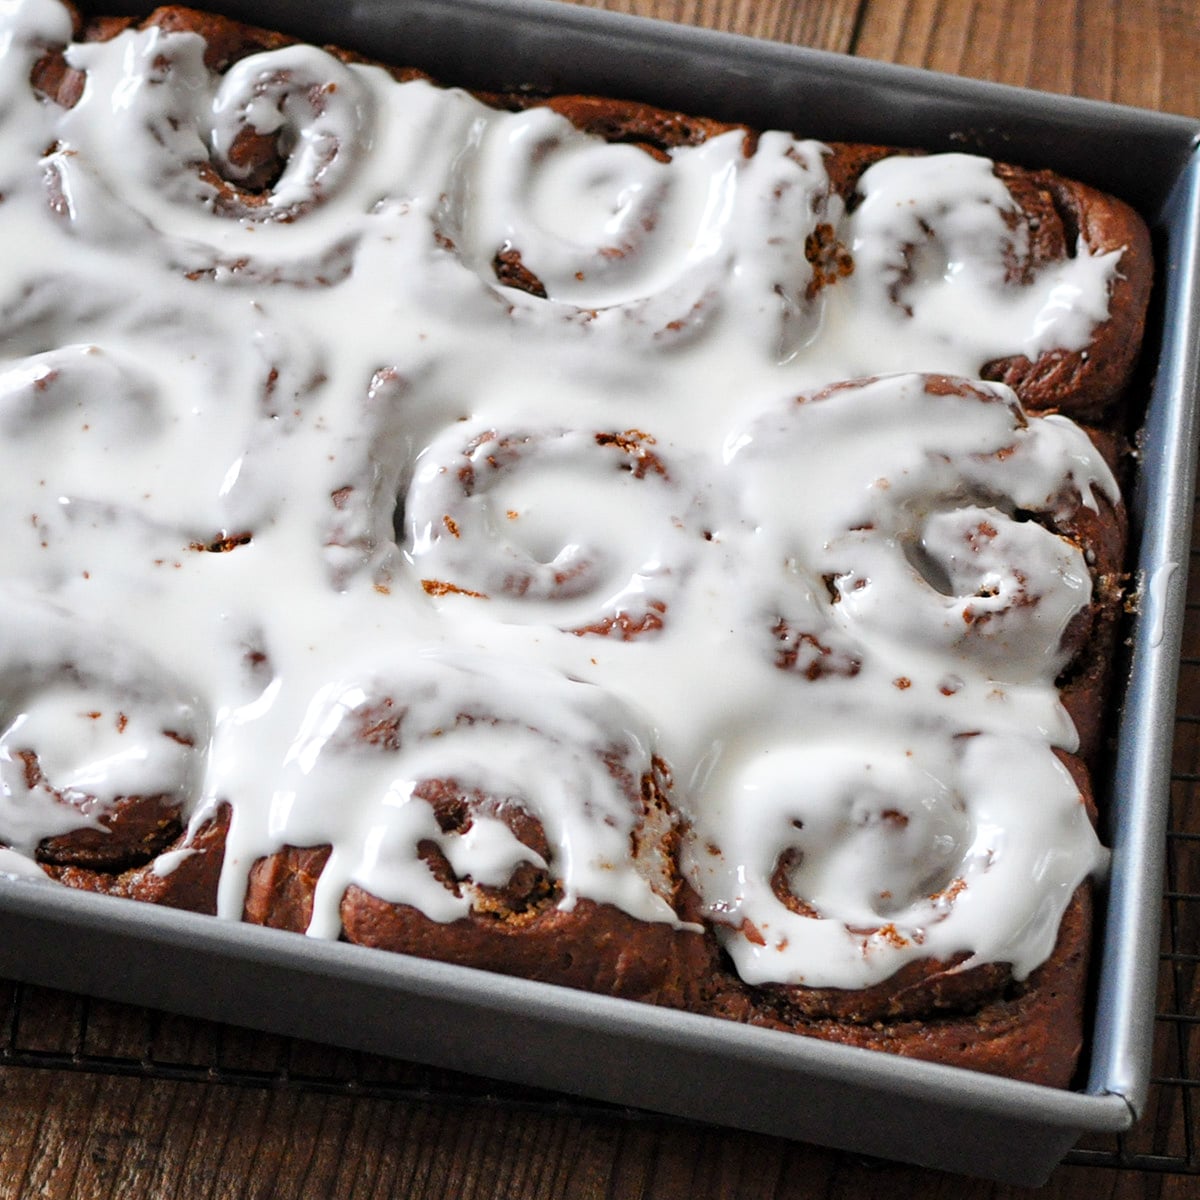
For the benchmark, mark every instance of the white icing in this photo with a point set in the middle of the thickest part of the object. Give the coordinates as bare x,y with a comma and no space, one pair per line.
930,235
830,610
17,866
565,528
917,540
306,96
84,725
900,851
1155,589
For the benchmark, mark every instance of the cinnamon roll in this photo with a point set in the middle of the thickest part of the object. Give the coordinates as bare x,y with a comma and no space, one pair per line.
964,544
504,818
268,140
832,868
592,533
937,240
101,751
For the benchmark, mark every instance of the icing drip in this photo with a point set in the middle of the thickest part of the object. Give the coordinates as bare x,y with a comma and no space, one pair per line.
513,737
462,450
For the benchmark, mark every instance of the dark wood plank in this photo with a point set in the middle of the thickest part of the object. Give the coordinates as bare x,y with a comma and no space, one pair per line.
104,1137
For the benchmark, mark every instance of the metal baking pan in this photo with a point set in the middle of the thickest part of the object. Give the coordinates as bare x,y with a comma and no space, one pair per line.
678,1063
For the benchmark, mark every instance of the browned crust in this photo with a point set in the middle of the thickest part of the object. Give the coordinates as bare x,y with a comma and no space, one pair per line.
1084,684
594,947
132,831
1031,1031
1085,384
655,130
191,885
521,927
281,887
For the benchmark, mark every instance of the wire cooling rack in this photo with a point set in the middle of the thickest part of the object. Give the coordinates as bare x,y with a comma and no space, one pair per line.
1168,1136
54,1030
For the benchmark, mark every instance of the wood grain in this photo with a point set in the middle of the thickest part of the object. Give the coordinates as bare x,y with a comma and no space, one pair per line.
824,26
1146,55
66,1133
103,1137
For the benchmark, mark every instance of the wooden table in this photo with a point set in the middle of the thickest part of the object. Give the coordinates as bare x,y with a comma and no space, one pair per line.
126,1103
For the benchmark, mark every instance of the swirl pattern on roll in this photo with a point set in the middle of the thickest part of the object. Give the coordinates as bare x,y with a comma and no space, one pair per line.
951,544
203,159
101,751
616,234
97,436
589,532
937,236
862,863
